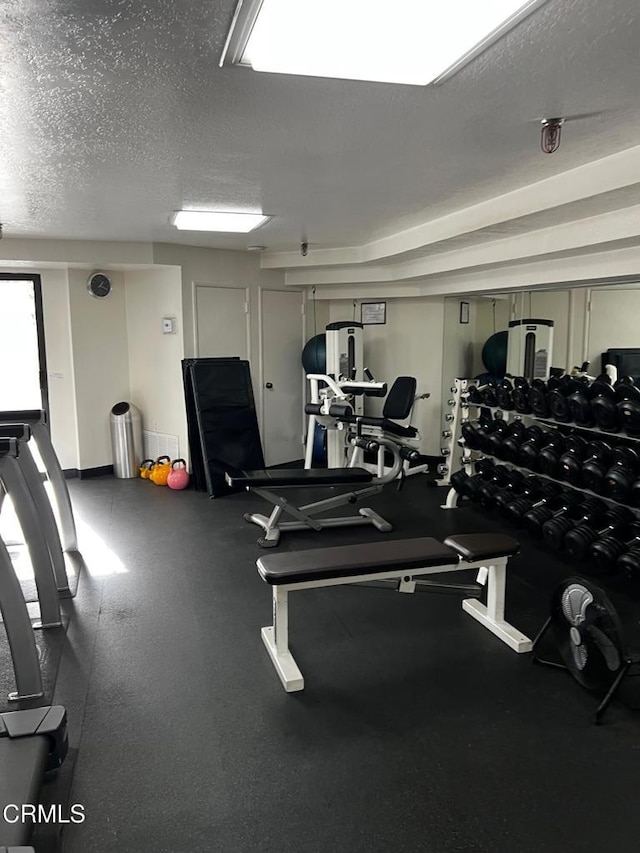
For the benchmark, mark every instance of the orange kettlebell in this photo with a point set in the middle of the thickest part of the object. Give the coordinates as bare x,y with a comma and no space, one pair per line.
178,475
145,468
160,471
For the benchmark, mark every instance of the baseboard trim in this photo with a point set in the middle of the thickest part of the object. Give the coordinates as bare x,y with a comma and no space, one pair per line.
69,474
101,471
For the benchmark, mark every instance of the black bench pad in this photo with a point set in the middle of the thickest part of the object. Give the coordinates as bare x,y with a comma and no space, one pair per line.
352,560
273,477
384,424
482,546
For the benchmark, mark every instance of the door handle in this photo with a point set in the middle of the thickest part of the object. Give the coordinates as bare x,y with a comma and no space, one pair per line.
268,385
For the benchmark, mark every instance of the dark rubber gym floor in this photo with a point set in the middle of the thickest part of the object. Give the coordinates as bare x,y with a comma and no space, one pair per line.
417,731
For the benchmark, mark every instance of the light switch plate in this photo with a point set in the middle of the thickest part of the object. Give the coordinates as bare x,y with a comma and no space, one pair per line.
168,325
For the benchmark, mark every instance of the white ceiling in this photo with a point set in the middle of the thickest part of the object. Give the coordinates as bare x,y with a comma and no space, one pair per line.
115,113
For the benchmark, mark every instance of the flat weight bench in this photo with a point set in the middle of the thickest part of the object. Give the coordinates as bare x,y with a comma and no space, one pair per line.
403,560
264,480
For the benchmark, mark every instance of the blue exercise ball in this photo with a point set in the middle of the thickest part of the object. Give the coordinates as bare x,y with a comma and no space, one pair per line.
314,354
494,354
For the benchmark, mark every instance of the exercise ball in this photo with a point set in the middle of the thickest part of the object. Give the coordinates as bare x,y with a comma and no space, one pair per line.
314,355
494,354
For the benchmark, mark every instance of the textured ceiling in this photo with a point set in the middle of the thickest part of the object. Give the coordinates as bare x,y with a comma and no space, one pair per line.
115,112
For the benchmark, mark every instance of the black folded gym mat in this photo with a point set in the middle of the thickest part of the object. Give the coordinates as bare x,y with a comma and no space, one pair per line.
221,420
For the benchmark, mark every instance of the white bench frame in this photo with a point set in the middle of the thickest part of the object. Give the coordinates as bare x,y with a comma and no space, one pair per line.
493,572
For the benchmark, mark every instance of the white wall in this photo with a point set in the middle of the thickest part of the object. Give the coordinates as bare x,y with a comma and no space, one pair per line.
409,344
216,266
60,369
613,321
100,363
459,342
155,371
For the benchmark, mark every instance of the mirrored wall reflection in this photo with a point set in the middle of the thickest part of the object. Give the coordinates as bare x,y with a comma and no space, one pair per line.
587,323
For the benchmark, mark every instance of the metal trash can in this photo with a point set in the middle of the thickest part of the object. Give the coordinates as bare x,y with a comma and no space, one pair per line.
125,422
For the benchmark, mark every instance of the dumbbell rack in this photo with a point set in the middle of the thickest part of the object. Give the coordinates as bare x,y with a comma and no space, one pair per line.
468,457
452,440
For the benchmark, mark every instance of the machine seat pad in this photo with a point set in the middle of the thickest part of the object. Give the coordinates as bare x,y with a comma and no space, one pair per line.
482,546
389,426
353,560
273,477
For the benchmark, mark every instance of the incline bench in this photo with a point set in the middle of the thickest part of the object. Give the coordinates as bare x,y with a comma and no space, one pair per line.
263,481
402,559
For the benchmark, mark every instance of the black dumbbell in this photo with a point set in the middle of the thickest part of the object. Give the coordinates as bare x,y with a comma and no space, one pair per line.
536,517
459,481
570,463
532,442
604,404
511,444
489,426
496,475
635,493
549,454
620,477
520,396
473,432
558,396
605,552
503,393
465,484
596,463
628,563
517,509
502,478
488,394
474,396
538,398
628,396
578,541
556,399
469,486
529,487
555,529
492,440
579,403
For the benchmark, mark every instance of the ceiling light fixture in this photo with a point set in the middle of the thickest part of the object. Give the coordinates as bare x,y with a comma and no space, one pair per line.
414,42
550,134
218,220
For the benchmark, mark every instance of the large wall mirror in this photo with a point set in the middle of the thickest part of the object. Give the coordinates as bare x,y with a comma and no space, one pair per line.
587,322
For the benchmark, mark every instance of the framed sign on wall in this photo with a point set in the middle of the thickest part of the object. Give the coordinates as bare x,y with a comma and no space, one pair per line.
373,313
464,312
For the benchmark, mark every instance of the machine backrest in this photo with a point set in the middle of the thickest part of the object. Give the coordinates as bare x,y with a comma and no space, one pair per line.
400,399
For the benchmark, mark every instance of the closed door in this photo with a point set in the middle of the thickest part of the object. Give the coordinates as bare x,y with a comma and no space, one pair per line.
222,321
281,348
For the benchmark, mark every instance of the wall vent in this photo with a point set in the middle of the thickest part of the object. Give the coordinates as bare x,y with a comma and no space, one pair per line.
160,444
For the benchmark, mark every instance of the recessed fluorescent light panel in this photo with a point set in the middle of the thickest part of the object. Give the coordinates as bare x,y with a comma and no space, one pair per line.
391,41
216,220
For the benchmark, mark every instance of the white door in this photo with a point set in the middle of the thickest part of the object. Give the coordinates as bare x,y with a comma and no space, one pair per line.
281,349
221,316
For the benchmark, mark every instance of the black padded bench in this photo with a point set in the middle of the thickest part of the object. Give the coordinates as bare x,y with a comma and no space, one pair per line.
263,480
32,742
402,560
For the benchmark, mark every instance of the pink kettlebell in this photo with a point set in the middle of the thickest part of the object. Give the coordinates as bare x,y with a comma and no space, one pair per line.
178,475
